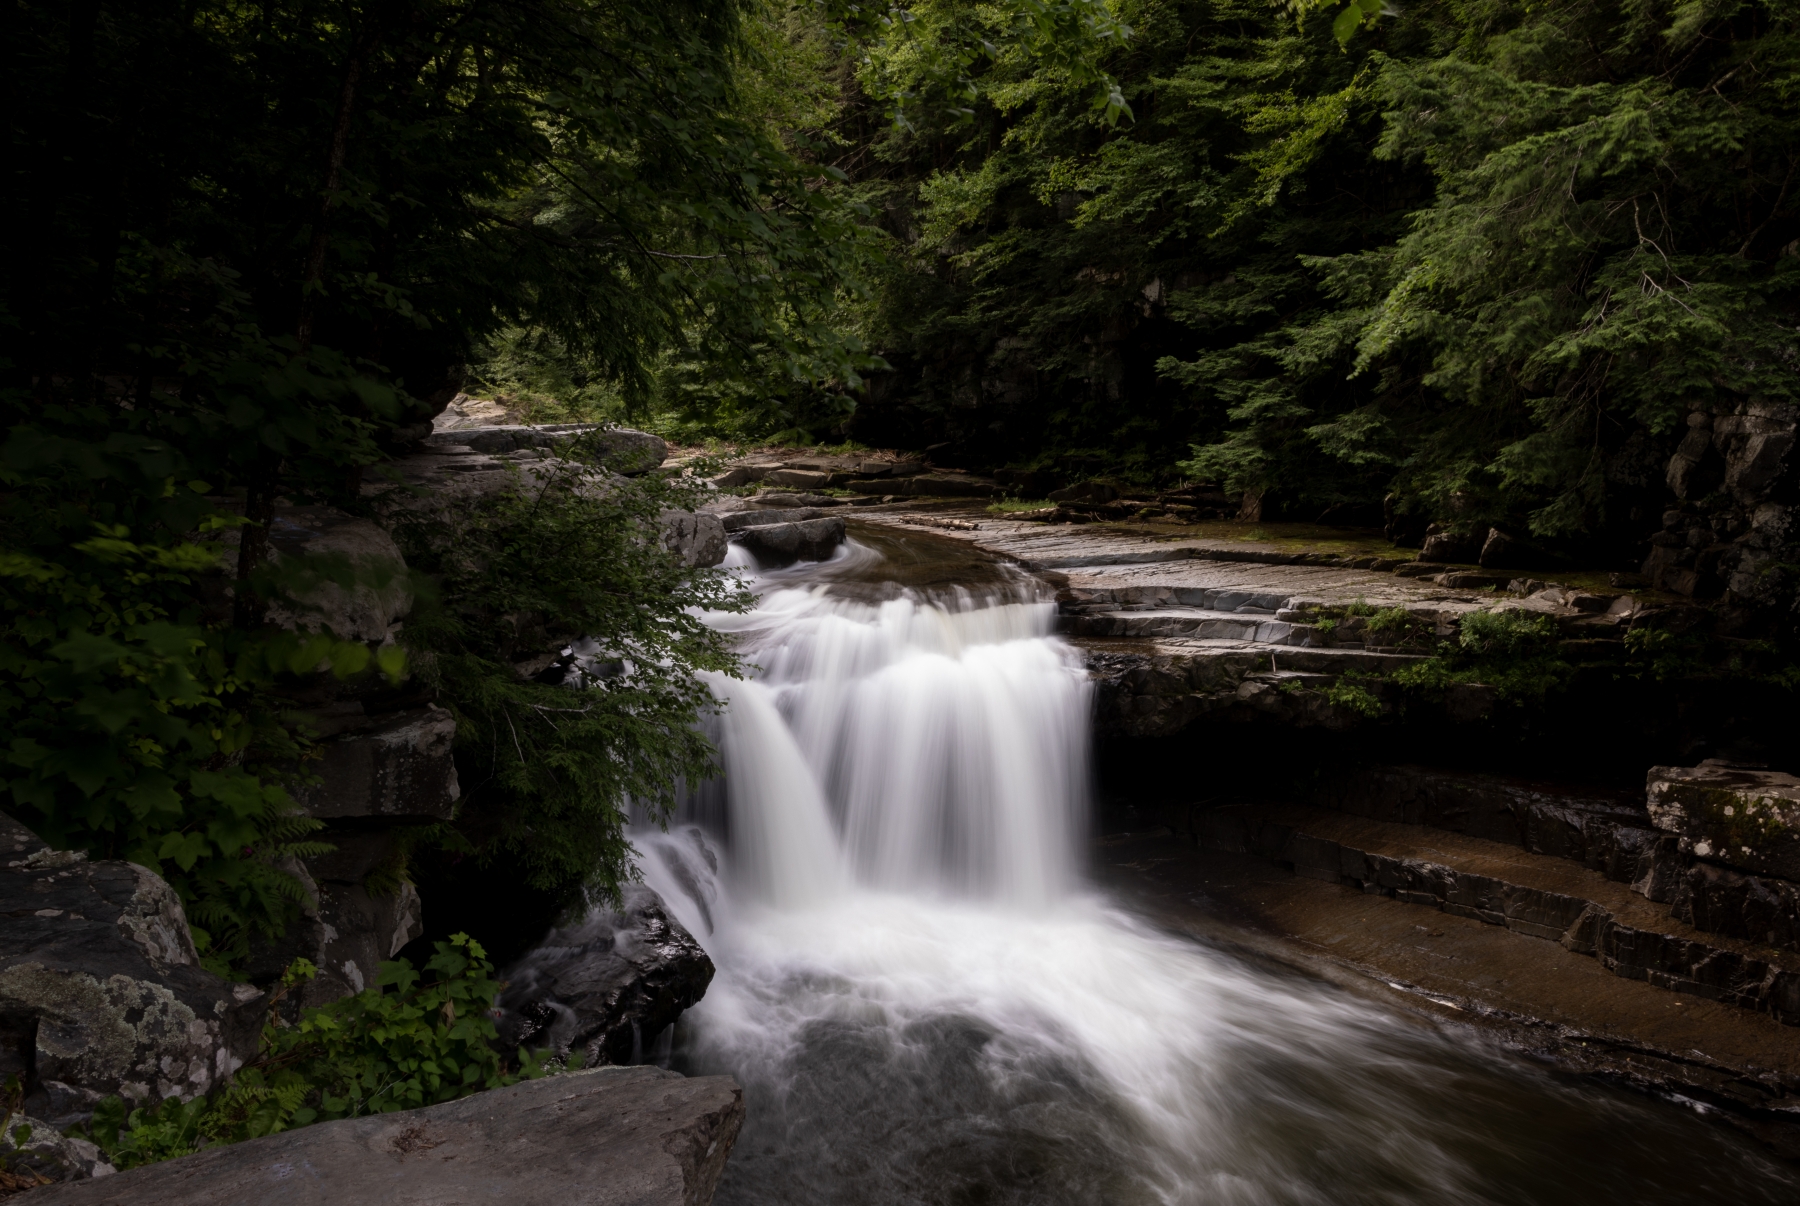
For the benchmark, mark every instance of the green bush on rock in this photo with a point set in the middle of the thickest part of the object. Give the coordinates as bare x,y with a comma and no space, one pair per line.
410,1041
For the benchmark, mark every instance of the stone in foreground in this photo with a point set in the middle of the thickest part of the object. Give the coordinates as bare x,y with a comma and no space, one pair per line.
601,1137
100,989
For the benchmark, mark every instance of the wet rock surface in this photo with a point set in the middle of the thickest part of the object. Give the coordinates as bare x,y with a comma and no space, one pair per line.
608,987
100,988
1531,995
1535,895
602,1137
783,543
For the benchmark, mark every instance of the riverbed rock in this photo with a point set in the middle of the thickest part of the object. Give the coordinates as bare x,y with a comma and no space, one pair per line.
757,517
801,479
698,538
779,544
601,1137
1737,817
607,987
101,991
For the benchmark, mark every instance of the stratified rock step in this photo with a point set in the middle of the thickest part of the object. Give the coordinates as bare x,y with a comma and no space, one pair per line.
1532,995
1531,894
604,1137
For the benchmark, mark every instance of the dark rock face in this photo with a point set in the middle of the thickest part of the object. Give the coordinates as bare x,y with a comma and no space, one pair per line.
1441,544
1733,476
601,1137
1608,833
100,989
1759,908
395,767
779,544
607,987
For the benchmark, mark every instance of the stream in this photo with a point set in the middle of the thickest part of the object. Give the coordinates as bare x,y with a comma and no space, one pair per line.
926,1001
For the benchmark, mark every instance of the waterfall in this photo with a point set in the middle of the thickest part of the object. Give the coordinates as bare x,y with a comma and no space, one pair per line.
926,1004
936,745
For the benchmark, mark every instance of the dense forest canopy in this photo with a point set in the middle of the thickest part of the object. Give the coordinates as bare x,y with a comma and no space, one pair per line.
1480,260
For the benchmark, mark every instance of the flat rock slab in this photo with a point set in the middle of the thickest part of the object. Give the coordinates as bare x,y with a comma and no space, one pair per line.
602,1137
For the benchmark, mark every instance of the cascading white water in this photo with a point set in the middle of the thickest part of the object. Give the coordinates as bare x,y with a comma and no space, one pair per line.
939,745
926,1005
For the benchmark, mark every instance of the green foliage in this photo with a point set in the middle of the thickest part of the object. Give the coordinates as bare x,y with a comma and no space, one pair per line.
1506,634
413,1040
1352,696
1514,652
430,1039
137,727
548,772
1475,260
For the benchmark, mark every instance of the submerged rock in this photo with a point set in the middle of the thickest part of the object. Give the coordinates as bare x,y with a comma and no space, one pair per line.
100,989
607,987
601,1137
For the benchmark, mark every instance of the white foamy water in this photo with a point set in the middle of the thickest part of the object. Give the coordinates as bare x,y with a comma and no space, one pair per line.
926,1004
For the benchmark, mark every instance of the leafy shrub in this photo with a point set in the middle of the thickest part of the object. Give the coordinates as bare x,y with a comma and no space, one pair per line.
1513,652
1352,696
410,1041
1506,634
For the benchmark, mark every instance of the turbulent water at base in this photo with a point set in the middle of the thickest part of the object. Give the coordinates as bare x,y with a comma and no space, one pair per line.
926,1005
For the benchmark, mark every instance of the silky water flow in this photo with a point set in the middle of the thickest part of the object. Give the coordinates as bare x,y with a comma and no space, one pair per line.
925,1004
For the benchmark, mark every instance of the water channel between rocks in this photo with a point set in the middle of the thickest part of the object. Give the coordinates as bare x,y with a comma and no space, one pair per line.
927,1003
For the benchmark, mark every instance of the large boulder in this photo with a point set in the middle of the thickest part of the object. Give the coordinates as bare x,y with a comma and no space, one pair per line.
1738,817
607,987
602,1137
100,988
779,544
334,571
